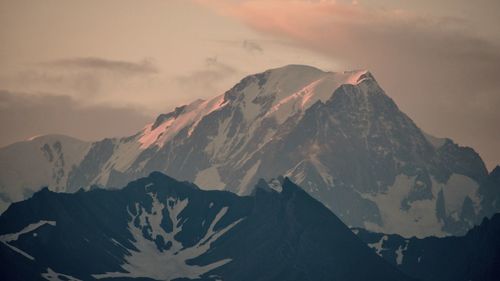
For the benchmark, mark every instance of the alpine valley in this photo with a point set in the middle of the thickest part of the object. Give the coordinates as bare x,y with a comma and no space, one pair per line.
337,135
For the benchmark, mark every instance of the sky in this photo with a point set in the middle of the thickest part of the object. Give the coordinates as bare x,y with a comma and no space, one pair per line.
100,68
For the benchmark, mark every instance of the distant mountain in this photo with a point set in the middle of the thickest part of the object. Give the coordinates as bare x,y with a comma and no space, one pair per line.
473,257
157,228
27,166
336,134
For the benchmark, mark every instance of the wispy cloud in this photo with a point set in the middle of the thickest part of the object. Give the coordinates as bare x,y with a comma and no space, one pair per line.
23,115
90,80
145,66
251,46
207,79
441,73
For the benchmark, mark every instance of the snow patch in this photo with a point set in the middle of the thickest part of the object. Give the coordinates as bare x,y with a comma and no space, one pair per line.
124,155
51,275
191,116
151,136
246,181
419,220
209,179
276,185
215,149
10,237
169,264
456,189
297,173
400,254
435,141
378,246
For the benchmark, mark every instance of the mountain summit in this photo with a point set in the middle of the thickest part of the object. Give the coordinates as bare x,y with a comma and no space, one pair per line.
336,134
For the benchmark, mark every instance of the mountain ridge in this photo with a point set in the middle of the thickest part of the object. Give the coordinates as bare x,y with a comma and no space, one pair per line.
473,256
159,228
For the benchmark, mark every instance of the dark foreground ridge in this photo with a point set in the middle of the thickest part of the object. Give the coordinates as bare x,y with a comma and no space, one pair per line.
157,228
474,256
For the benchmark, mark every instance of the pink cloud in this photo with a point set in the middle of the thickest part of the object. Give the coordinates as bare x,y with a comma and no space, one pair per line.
340,28
438,71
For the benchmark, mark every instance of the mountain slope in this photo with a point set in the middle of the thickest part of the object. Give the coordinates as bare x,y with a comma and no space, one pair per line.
160,229
475,256
336,134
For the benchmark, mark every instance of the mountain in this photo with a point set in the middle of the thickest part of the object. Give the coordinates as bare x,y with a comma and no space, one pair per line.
475,256
336,134
157,228
27,166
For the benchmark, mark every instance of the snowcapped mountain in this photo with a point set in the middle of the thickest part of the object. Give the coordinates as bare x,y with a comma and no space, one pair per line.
472,257
27,166
157,228
336,134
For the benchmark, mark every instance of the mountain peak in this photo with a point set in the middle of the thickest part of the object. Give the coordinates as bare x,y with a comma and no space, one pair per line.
358,76
285,91
281,91
350,76
296,68
289,187
495,173
296,73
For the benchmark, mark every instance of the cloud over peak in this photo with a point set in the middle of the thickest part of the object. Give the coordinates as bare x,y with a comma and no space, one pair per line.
438,68
145,66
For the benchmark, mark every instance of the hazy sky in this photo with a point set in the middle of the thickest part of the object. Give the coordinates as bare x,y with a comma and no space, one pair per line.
98,68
